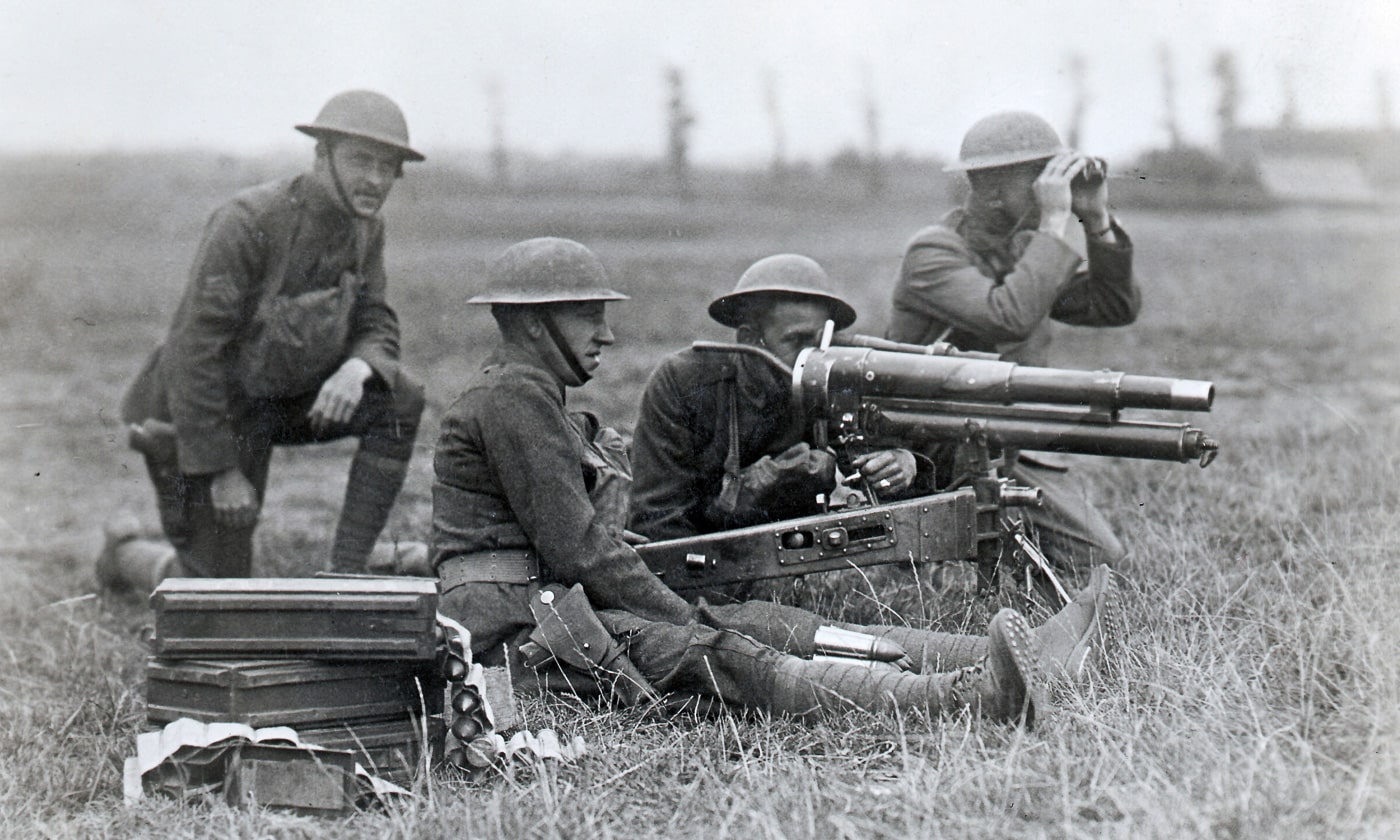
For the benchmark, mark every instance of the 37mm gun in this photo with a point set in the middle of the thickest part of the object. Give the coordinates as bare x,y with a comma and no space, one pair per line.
975,409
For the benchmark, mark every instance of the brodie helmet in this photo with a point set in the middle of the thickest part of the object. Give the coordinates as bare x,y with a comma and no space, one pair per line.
788,275
1006,138
546,270
364,114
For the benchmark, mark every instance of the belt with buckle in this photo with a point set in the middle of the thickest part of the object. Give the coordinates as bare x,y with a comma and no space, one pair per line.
504,566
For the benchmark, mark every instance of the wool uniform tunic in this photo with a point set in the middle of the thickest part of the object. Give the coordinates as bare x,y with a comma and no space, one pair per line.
293,233
982,286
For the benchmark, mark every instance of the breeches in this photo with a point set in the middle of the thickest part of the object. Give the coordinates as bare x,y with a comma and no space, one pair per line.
386,422
685,660
730,653
1074,535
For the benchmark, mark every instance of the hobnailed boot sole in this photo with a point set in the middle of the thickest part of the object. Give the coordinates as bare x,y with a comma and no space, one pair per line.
130,562
1095,622
1013,667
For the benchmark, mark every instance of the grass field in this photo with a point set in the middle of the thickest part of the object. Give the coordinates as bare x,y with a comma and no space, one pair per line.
1260,692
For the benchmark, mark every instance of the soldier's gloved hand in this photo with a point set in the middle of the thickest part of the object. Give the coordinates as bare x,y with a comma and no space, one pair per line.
797,468
796,472
234,500
340,395
889,471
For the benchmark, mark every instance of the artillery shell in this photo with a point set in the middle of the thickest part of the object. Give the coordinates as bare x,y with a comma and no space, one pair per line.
466,701
465,728
481,753
454,668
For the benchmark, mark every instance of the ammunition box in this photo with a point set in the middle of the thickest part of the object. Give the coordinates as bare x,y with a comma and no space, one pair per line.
288,692
390,749
311,782
321,618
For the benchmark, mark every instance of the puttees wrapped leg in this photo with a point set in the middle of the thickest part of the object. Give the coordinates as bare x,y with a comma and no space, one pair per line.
739,670
1005,685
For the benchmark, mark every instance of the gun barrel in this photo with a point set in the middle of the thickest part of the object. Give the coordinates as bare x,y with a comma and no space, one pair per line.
1124,439
872,373
938,348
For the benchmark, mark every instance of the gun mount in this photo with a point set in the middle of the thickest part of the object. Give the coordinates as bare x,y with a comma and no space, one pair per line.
862,393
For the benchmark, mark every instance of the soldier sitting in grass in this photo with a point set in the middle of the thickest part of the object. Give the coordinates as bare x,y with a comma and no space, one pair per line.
716,445
283,336
531,555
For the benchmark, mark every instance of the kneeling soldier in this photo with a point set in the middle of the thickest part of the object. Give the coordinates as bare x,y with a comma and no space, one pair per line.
284,336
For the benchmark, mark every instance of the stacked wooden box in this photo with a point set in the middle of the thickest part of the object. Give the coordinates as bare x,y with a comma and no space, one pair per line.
350,663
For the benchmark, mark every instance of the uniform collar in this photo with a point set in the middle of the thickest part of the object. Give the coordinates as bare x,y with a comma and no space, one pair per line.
760,383
508,354
756,380
308,191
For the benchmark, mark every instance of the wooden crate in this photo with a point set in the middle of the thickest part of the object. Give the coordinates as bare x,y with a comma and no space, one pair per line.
390,749
274,692
305,618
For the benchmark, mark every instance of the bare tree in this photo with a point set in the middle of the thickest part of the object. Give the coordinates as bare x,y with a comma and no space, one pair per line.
1169,117
679,121
1228,102
500,155
1078,82
1288,117
1384,116
775,123
870,110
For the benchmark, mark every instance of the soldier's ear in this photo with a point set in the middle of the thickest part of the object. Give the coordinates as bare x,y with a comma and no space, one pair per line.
749,334
532,322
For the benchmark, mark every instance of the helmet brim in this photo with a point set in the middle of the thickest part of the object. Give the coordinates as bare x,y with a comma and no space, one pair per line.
321,132
538,297
1007,159
729,309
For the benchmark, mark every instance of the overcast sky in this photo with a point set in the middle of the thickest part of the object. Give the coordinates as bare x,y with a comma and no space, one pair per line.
587,77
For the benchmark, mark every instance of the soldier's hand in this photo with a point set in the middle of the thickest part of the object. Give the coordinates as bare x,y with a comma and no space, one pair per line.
888,471
803,464
1089,198
1053,193
340,395
234,500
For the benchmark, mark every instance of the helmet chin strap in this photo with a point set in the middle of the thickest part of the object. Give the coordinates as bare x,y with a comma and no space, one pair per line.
340,187
557,338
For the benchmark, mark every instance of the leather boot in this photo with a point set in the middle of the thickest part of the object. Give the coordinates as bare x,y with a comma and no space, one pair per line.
130,563
1075,640
374,484
1005,685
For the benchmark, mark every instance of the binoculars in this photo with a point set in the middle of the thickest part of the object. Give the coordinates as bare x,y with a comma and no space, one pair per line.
1093,173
